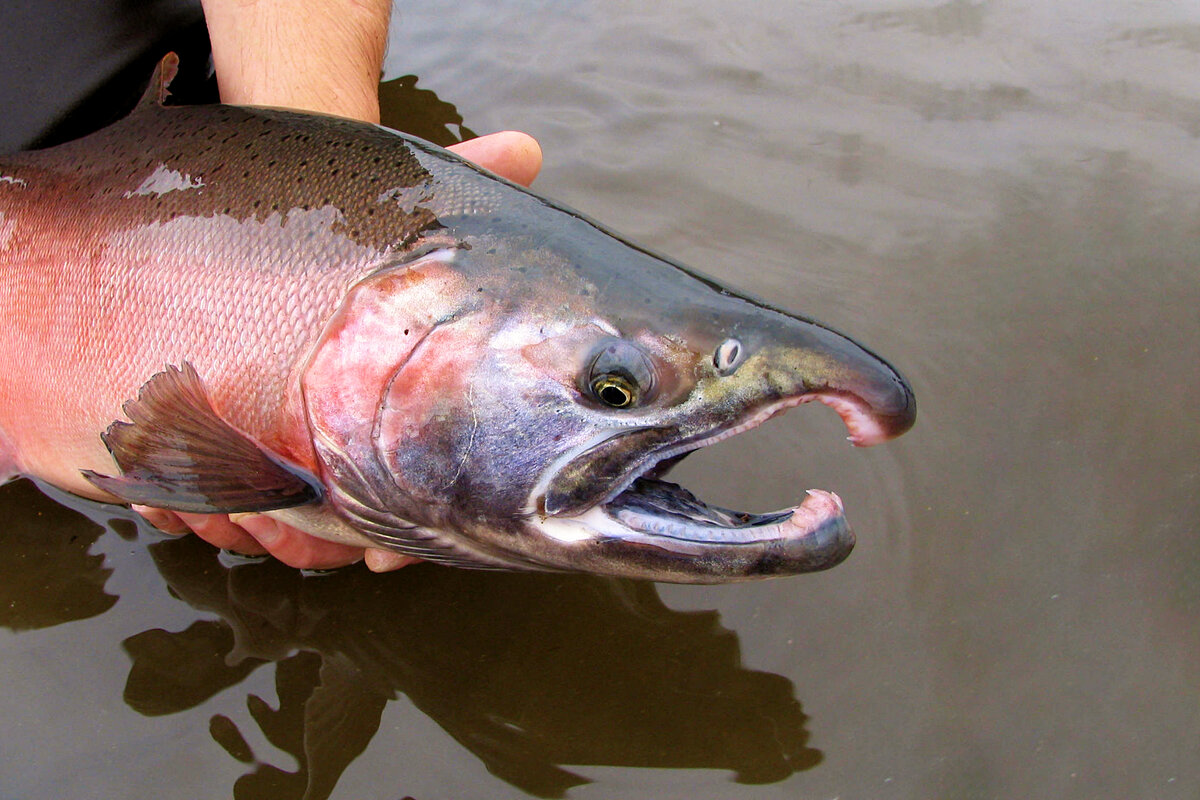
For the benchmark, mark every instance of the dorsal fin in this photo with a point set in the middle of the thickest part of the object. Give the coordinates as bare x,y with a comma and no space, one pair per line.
156,93
177,453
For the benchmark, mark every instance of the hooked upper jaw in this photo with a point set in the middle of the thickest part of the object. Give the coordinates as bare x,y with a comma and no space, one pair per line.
614,400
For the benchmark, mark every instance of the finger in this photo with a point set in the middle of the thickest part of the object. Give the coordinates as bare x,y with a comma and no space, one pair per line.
294,547
385,560
217,530
510,154
165,521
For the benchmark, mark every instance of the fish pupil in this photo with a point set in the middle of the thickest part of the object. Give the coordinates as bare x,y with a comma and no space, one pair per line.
614,396
614,390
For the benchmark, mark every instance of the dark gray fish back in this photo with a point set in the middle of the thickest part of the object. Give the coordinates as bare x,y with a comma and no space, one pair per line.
163,162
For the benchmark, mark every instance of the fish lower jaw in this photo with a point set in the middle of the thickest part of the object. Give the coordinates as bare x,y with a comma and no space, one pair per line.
694,543
818,511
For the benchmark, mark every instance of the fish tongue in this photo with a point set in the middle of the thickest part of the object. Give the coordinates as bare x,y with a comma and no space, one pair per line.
660,498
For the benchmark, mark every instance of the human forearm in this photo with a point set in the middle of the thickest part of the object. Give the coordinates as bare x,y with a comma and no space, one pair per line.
316,55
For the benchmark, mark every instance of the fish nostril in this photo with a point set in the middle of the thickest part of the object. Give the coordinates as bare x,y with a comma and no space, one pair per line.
728,356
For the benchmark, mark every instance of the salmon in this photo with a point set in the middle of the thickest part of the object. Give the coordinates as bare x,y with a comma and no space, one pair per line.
221,309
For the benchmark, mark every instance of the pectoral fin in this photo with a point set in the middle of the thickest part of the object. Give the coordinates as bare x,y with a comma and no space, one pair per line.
177,453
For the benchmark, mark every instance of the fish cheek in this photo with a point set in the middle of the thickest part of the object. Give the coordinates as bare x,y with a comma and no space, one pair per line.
381,326
423,433
472,436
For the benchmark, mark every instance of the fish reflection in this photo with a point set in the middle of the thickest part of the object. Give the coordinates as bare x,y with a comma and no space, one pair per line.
48,575
527,672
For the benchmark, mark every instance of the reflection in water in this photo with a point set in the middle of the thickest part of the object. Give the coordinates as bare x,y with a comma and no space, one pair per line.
421,112
1002,196
47,574
528,672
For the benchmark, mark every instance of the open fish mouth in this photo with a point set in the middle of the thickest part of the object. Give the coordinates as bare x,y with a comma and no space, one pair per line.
811,536
707,543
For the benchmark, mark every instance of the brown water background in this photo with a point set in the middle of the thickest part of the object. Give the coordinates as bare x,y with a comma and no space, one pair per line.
1001,197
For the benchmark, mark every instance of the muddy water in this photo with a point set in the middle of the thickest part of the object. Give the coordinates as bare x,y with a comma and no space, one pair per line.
1001,197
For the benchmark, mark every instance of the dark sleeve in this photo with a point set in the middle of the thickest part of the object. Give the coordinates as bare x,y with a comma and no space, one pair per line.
71,66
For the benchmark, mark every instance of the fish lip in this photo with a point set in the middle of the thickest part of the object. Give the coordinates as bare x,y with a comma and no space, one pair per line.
863,428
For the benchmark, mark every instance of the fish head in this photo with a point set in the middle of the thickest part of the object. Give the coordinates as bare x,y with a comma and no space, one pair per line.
530,421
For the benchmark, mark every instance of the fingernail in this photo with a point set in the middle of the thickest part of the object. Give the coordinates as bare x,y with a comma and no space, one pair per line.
163,520
385,561
265,530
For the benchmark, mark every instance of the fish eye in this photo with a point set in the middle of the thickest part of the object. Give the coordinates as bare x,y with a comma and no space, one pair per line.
620,374
728,356
614,390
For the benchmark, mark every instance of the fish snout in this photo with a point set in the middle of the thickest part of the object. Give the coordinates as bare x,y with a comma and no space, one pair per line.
814,363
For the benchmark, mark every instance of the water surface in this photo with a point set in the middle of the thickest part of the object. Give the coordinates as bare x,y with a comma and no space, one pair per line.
1001,197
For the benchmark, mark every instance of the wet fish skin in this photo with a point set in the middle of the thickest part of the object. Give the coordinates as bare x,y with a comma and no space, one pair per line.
405,341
